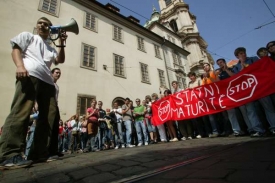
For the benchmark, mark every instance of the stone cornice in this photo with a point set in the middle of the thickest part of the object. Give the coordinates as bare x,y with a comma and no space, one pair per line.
176,7
188,36
116,17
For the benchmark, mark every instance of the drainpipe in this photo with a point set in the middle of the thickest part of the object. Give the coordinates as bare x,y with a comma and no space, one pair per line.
169,86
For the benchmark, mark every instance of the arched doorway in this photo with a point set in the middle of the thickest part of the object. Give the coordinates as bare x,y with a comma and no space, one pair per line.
120,101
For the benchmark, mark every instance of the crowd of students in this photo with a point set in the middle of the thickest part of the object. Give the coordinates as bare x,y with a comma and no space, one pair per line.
120,127
131,125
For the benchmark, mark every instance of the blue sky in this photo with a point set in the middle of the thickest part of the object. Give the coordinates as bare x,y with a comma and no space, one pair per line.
224,24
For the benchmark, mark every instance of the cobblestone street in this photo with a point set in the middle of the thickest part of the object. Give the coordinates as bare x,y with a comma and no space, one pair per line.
228,159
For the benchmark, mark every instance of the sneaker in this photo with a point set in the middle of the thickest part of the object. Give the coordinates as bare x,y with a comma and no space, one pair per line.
257,134
15,162
146,143
183,138
189,138
152,142
238,134
122,146
130,145
198,136
213,135
273,132
116,147
52,158
163,140
139,144
174,140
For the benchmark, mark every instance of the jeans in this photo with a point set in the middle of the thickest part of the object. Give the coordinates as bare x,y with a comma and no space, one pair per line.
13,139
185,127
209,124
269,110
251,118
141,128
119,134
84,139
150,126
162,132
232,116
30,139
60,143
128,126
90,146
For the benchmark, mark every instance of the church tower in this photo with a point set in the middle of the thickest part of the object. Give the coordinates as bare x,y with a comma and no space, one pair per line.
175,15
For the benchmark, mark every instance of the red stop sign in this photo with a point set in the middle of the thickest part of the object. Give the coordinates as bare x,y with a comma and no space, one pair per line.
242,87
164,110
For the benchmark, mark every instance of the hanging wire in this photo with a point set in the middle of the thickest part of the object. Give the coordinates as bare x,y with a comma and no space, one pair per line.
130,10
269,8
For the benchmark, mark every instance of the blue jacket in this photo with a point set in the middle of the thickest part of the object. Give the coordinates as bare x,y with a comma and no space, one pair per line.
249,60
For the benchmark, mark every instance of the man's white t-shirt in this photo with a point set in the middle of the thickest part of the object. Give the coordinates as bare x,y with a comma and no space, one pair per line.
37,55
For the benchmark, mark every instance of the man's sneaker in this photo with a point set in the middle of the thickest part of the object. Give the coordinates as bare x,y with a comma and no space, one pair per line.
257,134
146,143
189,138
174,140
139,144
239,134
116,147
122,146
52,158
198,136
15,162
213,135
130,145
183,138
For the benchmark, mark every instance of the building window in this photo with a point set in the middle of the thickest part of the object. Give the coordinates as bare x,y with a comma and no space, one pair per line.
140,43
90,21
117,33
182,82
88,56
144,73
119,66
161,78
83,103
176,58
157,51
168,2
173,25
49,6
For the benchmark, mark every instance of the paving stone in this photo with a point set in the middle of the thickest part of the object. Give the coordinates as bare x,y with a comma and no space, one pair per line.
210,174
45,172
54,178
107,167
82,173
243,165
125,163
252,176
156,164
129,170
200,181
104,177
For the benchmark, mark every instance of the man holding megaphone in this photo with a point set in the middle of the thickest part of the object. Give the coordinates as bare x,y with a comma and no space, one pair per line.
33,57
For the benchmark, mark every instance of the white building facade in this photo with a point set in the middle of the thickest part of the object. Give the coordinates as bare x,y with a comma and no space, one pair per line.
111,58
